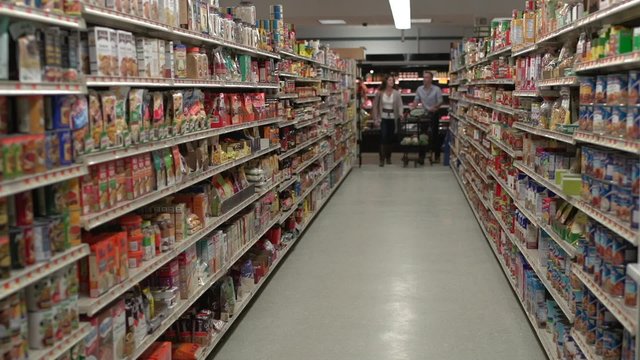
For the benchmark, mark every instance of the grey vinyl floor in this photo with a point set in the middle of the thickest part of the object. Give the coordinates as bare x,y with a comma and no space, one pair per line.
395,267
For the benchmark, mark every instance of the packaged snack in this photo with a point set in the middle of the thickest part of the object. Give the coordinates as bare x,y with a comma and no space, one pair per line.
180,61
108,101
65,149
96,122
136,110
158,115
122,133
147,117
100,49
51,38
80,125
32,157
30,114
177,112
61,112
601,117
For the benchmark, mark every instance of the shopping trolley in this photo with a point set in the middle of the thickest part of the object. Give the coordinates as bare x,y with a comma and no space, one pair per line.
414,134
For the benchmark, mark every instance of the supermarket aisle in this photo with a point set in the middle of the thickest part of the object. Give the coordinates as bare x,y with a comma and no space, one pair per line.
394,268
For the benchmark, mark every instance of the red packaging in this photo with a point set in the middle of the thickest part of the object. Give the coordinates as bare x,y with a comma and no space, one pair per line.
158,351
235,104
247,108
24,208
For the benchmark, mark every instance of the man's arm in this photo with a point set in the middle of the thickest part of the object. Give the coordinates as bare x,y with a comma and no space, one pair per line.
416,100
438,100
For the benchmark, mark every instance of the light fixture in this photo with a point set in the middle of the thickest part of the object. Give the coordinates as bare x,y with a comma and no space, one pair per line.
370,71
421,21
332,22
401,10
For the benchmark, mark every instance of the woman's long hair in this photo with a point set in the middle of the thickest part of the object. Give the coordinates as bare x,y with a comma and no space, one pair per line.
383,86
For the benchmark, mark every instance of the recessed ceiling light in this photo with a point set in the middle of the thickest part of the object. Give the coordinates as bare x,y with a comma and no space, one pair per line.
332,22
401,11
420,21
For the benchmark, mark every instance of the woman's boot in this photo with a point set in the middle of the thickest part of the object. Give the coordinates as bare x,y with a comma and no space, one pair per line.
382,152
387,154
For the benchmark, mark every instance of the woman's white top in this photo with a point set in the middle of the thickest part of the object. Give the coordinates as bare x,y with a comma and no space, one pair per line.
387,104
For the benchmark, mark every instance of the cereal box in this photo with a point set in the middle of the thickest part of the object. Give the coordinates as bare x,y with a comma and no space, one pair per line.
127,58
100,51
144,55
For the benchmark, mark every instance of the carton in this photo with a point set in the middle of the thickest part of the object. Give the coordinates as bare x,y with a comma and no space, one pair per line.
127,58
99,51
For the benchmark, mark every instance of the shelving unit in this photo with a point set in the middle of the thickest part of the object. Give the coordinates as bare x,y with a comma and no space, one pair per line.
530,85
160,150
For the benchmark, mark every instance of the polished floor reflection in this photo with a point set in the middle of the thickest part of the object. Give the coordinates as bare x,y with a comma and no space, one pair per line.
395,267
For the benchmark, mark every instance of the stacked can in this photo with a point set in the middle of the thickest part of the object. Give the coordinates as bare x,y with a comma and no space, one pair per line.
277,24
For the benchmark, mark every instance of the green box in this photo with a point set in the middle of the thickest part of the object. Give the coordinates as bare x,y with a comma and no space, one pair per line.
572,184
636,38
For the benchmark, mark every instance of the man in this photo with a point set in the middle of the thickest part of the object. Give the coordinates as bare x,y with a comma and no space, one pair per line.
430,96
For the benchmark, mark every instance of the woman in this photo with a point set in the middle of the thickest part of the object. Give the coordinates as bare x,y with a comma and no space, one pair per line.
387,109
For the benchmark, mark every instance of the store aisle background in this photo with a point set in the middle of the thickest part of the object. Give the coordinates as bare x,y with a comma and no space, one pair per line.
395,267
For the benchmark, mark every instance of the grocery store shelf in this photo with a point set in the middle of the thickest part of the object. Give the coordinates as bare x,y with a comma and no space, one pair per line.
523,50
91,306
511,192
45,17
568,248
114,154
484,151
93,220
282,96
633,270
62,346
306,123
290,55
566,138
620,144
507,149
20,279
563,81
105,81
526,93
612,14
482,126
107,17
587,350
628,61
16,88
30,182
492,82
475,167
498,107
626,316
608,221
287,74
302,146
285,184
307,100
303,166
605,219
307,80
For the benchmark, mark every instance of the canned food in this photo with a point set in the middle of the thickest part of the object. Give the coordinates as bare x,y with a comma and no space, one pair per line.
41,241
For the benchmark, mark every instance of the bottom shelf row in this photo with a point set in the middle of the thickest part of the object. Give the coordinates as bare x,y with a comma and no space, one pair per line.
595,332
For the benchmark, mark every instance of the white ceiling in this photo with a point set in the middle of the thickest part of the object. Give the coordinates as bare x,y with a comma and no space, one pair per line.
377,12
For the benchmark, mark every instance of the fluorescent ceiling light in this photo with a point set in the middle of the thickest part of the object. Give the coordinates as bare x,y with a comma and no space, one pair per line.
332,22
401,10
421,21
